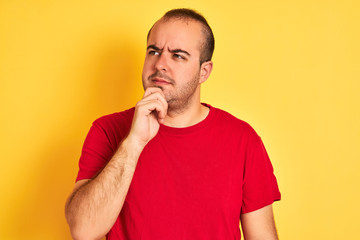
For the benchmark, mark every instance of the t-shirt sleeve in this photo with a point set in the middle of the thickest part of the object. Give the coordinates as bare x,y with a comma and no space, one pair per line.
260,186
96,152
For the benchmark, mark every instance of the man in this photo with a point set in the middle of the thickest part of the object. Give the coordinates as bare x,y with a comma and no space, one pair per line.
172,167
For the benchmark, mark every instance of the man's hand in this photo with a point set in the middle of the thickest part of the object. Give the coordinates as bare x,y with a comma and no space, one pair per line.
150,112
95,204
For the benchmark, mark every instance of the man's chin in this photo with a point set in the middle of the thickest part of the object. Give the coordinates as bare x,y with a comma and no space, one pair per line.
153,86
159,87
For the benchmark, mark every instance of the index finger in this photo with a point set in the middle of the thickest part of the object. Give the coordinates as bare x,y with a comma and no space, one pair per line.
152,90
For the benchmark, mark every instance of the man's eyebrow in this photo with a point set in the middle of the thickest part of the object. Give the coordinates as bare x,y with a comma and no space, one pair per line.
153,47
179,51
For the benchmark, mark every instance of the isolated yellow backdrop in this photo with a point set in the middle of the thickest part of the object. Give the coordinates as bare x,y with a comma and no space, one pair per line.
289,68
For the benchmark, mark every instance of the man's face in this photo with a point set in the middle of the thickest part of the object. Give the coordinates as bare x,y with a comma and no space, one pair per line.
172,61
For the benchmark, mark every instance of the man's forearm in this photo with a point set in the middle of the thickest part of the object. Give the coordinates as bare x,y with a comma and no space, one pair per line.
92,209
259,224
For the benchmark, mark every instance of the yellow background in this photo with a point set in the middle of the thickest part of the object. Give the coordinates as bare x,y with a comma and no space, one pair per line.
289,68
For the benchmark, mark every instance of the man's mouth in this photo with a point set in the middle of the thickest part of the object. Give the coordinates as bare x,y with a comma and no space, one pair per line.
160,81
159,78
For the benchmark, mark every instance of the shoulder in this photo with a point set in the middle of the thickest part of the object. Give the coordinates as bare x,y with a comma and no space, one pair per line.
119,118
224,119
115,125
110,129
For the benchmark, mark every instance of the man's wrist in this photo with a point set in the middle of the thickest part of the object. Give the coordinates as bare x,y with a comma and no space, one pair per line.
132,147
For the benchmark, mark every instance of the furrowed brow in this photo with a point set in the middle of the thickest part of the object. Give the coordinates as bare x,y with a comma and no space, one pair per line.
179,51
153,47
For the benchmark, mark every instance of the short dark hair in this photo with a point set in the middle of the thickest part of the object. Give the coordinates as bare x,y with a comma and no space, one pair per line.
208,45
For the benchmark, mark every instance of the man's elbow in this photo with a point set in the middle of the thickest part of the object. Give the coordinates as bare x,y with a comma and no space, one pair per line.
81,233
80,230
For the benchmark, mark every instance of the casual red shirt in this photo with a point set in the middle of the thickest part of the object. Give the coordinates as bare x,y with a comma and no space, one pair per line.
189,183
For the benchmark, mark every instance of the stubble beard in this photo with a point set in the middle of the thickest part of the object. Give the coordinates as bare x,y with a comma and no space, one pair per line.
180,99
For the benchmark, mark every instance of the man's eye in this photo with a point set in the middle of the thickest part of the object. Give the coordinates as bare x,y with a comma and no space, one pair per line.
154,53
178,56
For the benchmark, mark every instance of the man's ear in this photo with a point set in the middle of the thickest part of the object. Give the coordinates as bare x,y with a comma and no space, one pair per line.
205,70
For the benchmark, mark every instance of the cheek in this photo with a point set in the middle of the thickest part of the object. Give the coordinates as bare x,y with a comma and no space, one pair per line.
146,67
192,72
148,62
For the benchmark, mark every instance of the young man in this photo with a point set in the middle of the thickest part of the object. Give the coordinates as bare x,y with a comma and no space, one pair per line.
172,167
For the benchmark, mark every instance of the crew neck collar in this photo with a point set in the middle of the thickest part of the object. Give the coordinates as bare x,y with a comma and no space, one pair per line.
193,128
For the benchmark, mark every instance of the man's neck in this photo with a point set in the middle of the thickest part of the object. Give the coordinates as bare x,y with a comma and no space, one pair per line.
191,116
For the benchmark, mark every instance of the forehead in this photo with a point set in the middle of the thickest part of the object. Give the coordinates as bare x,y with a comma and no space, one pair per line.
176,34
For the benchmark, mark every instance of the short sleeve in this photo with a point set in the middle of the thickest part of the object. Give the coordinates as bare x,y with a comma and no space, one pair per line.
96,152
101,142
260,186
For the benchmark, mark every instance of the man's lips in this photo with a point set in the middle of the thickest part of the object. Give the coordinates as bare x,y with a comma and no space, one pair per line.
160,81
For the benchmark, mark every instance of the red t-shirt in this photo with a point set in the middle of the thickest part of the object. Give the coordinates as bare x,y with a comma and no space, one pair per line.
189,183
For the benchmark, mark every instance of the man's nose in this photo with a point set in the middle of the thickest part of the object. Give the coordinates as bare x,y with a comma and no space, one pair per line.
161,63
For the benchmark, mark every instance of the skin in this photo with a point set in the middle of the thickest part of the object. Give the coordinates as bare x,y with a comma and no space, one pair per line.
171,77
259,224
172,64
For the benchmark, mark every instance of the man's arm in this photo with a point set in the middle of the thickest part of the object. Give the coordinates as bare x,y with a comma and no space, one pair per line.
94,205
259,224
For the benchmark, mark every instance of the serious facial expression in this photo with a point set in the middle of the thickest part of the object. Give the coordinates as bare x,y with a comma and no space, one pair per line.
172,61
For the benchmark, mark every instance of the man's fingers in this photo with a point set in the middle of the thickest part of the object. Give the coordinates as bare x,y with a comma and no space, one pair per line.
157,96
147,106
152,90
150,111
